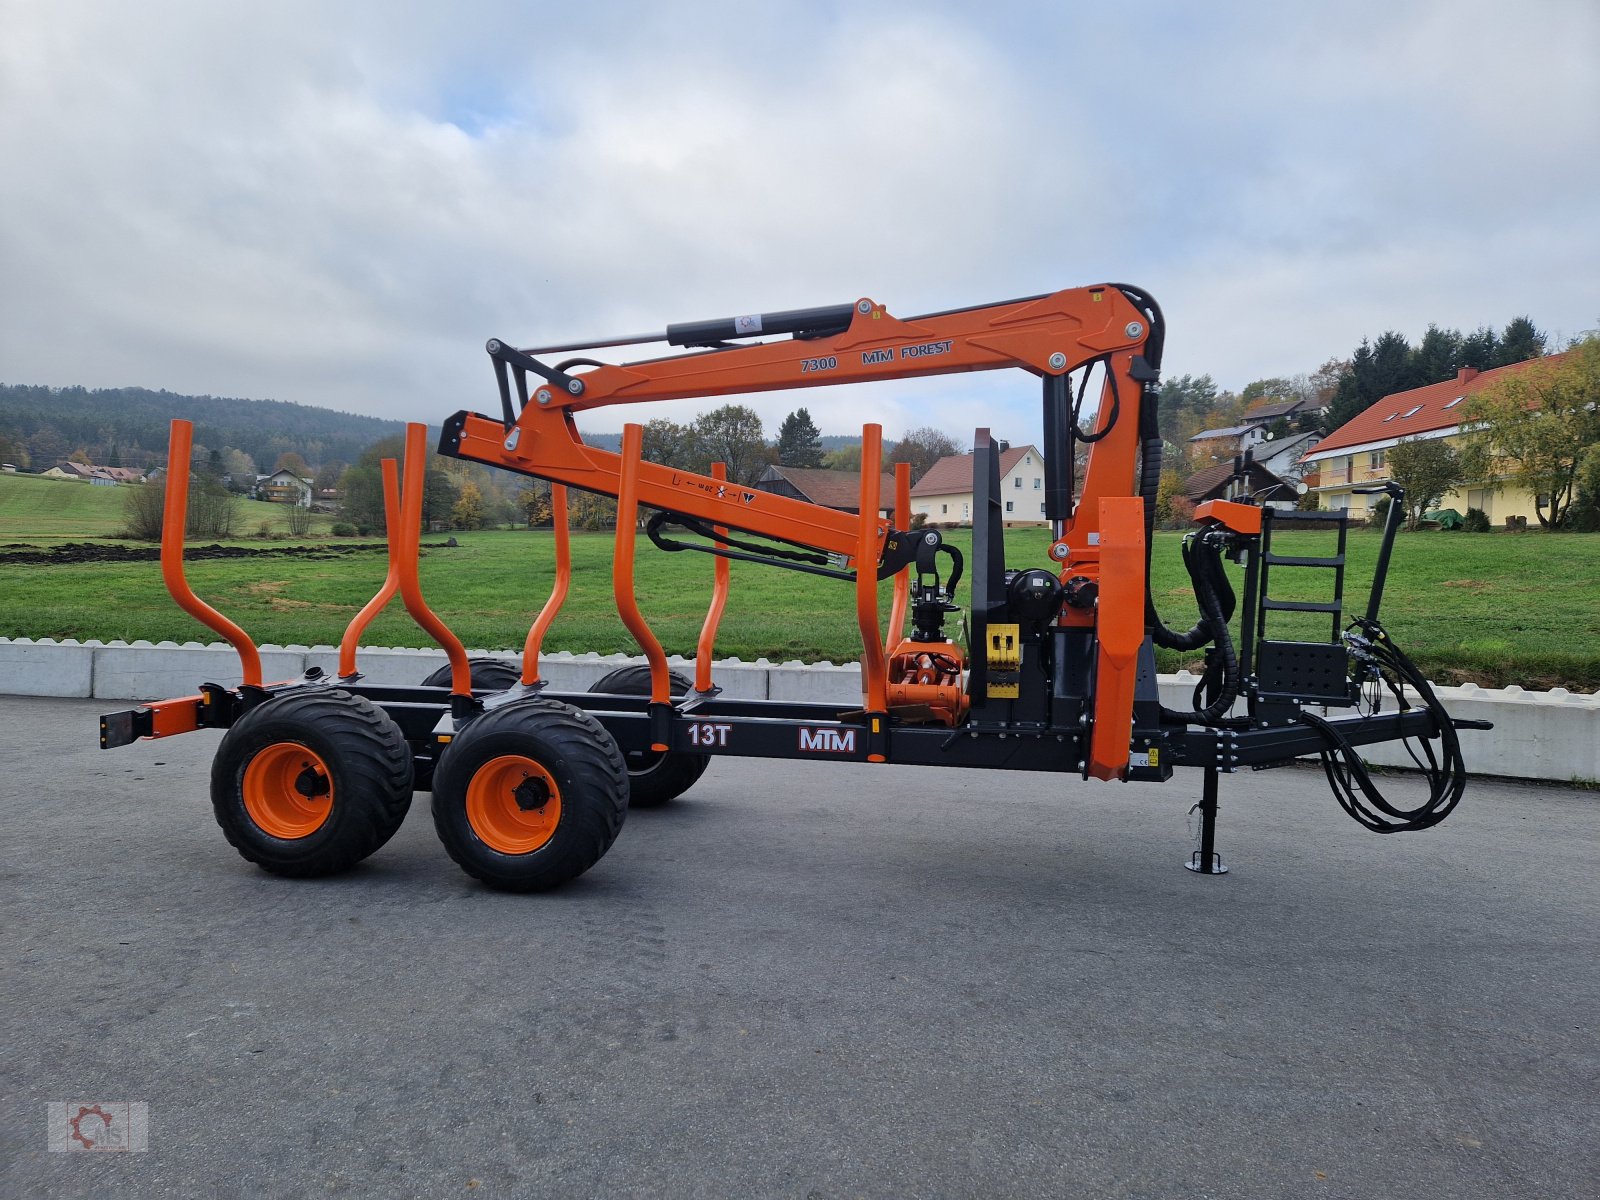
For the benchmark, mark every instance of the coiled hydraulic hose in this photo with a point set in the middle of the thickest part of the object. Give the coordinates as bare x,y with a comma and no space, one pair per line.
1348,776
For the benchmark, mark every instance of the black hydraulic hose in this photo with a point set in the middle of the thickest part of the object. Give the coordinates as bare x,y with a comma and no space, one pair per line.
1215,596
1116,403
1348,776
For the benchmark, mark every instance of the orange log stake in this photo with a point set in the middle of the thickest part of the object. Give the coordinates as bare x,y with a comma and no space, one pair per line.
391,581
410,581
622,568
558,590
719,601
175,515
874,671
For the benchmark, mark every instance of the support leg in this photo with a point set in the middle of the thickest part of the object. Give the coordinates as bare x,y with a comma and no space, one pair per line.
1206,860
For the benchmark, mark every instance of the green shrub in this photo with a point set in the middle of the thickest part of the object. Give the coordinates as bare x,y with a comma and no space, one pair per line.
1476,521
343,529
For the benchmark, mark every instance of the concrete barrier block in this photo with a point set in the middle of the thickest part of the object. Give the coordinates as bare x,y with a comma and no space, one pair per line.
398,666
46,667
142,671
738,680
815,683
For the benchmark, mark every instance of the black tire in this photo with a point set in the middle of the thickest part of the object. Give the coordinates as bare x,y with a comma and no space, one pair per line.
573,752
488,675
350,750
654,776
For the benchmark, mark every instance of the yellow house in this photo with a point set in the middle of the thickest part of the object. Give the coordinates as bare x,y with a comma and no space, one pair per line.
1354,455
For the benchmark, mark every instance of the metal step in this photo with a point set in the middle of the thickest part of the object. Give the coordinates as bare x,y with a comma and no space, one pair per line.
1295,560
1301,606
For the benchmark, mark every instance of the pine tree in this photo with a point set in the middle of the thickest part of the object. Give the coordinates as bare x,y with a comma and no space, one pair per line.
1435,358
1520,342
799,442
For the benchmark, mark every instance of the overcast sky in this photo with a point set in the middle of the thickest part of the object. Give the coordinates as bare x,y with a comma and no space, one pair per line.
337,203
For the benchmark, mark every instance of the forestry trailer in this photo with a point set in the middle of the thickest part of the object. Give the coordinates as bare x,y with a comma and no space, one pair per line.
1051,669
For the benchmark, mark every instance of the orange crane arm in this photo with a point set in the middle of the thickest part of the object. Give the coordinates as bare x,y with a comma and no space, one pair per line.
1048,335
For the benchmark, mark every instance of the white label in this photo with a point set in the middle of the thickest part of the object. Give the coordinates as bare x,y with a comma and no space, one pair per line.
750,324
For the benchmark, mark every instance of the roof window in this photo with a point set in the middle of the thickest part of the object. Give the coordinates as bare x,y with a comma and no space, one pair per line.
1455,402
1413,411
1390,417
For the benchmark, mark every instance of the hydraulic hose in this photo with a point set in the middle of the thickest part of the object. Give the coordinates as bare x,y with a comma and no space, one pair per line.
1348,776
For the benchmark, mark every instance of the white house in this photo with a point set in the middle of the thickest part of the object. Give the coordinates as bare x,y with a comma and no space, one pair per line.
284,487
944,495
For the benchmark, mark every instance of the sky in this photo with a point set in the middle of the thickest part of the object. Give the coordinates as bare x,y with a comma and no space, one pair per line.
337,204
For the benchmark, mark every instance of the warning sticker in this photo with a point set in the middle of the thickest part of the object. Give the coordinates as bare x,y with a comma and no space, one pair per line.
750,324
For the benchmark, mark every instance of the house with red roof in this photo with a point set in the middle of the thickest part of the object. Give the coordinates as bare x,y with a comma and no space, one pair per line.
832,489
1355,454
944,495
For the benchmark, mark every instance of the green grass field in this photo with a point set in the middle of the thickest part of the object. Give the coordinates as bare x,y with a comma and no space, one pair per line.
39,510
1490,608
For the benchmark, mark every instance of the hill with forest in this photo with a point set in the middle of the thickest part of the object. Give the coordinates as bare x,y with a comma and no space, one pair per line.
127,427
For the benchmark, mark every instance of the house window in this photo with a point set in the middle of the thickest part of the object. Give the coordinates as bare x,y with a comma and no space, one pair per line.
964,513
1375,459
1037,483
1009,506
1041,506
1481,498
1016,481
944,508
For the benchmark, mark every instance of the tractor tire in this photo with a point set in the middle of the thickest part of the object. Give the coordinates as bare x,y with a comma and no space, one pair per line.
488,675
654,776
311,783
530,795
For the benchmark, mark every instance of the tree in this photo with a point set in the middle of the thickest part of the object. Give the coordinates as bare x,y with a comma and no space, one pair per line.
469,509
732,434
1538,425
845,458
291,461
142,506
1265,389
327,476
1480,349
668,443
240,469
1520,342
1427,468
297,518
534,501
1435,358
798,441
13,449
361,498
922,447
439,496
1184,399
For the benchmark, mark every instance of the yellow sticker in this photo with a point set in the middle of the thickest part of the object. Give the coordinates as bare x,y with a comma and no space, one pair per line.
1155,756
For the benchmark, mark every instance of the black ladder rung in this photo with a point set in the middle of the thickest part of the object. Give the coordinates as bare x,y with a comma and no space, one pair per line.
1296,560
1301,606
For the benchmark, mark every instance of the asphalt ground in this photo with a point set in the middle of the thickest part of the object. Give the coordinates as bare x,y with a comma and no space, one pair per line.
806,980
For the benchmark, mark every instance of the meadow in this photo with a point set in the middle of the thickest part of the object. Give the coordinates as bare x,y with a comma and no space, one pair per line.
1493,608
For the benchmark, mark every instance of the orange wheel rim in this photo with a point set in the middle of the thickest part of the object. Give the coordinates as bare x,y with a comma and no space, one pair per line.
513,804
288,791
